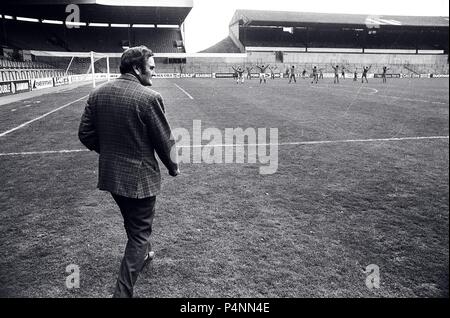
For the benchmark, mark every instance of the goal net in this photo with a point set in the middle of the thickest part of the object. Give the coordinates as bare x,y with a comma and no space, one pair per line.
81,66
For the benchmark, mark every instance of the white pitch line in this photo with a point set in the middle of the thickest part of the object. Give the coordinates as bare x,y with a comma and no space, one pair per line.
40,117
320,142
180,88
295,143
363,140
27,153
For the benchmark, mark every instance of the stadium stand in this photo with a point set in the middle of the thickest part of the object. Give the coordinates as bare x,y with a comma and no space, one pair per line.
157,25
308,39
26,70
409,45
268,29
48,37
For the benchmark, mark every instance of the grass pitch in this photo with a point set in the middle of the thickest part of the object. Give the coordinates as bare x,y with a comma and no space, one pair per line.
224,230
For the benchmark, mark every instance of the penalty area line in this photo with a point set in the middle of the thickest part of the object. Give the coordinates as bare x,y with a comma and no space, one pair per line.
40,117
317,142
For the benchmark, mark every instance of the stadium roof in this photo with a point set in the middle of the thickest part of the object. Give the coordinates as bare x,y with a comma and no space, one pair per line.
102,11
284,18
224,46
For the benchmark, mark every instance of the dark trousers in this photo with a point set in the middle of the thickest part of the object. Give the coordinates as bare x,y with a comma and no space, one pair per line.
138,218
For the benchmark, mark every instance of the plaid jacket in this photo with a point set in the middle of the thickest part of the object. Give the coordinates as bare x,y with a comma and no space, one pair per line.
125,123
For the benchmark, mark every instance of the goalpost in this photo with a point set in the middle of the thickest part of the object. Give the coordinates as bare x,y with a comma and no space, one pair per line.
80,66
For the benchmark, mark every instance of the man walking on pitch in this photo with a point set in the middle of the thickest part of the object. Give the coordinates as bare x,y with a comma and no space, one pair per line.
124,122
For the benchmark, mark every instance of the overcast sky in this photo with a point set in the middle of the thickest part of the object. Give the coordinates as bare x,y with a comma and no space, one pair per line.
207,23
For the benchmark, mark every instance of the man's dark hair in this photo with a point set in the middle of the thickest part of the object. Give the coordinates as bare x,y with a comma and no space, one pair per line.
134,56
